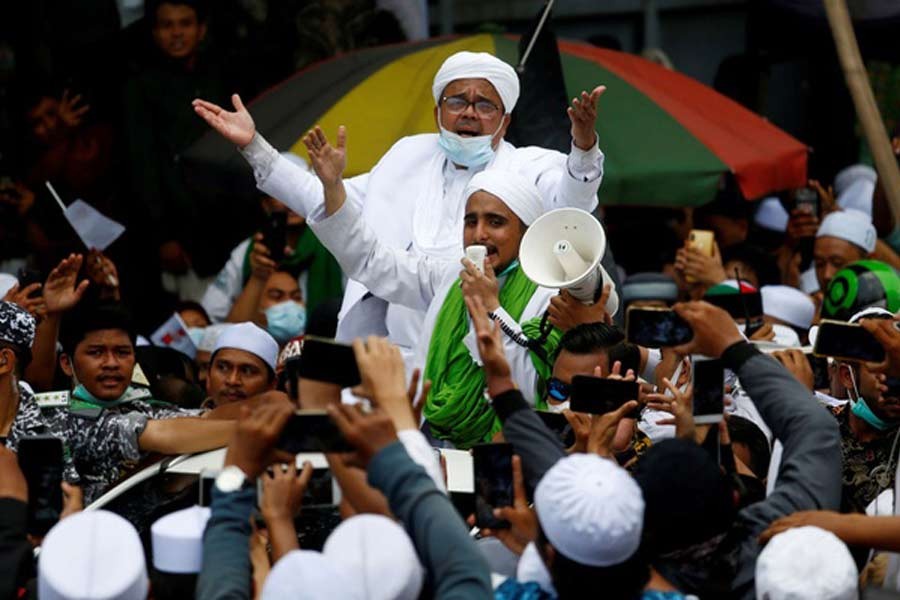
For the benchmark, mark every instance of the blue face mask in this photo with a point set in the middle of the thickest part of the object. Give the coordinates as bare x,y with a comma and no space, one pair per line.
286,320
467,151
862,411
196,335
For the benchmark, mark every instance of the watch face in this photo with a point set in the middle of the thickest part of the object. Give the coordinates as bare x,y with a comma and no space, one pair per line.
230,479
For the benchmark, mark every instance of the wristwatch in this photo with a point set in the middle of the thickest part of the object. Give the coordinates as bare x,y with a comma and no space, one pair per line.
231,479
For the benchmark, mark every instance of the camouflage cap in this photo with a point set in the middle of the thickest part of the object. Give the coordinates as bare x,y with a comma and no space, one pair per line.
16,325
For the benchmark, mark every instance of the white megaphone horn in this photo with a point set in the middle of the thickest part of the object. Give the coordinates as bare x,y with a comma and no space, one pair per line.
562,249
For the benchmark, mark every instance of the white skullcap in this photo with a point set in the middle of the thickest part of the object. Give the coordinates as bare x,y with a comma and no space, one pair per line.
210,336
308,575
478,65
851,226
178,540
94,555
785,336
6,283
788,304
591,510
809,283
806,563
371,546
516,192
850,175
771,215
249,338
858,196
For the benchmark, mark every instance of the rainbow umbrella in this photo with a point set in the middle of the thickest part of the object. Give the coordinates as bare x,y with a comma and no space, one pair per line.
667,138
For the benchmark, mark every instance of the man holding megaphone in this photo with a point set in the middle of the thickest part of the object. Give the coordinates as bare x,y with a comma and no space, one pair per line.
500,205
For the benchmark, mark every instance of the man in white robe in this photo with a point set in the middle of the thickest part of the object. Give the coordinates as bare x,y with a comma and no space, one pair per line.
413,198
500,205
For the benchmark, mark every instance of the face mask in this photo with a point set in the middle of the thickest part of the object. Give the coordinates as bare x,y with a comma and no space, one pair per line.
558,408
862,410
196,335
81,392
467,151
286,320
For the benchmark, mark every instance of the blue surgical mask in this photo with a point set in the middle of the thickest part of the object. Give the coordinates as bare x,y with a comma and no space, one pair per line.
286,320
467,151
196,335
862,411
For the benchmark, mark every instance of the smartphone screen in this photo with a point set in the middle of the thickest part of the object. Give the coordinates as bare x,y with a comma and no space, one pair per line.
559,425
848,341
312,431
819,366
807,200
26,277
709,390
323,359
598,396
656,328
275,234
492,464
41,462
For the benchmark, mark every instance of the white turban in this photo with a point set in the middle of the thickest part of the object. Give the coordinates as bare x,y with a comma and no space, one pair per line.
371,546
249,338
806,563
850,225
855,186
478,65
591,510
771,215
513,189
92,554
788,304
178,540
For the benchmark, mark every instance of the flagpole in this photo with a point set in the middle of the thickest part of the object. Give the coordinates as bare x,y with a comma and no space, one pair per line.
534,36
56,196
864,101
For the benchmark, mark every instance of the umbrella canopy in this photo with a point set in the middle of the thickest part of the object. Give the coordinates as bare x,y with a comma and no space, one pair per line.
667,138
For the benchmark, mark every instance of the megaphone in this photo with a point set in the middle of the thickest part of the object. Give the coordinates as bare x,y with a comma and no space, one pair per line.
563,249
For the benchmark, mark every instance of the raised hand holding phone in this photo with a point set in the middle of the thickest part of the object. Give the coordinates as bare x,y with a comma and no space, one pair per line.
523,525
490,348
714,329
384,379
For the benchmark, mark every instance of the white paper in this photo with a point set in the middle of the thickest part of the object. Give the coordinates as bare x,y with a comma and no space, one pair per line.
173,334
94,228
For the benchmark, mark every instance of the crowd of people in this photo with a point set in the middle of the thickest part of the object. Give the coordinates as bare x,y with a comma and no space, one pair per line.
787,492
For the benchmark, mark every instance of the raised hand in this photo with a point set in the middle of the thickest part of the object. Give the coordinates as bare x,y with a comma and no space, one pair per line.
368,433
327,161
567,312
523,524
252,448
583,114
237,127
885,331
68,110
23,297
62,290
714,329
490,344
604,428
283,490
384,379
261,264
679,404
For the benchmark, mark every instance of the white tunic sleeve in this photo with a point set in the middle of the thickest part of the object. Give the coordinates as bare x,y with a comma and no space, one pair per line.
389,273
288,182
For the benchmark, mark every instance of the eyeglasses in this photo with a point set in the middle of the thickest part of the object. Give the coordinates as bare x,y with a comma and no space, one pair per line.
558,390
458,104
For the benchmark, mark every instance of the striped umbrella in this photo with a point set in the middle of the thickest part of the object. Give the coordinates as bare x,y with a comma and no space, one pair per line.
667,138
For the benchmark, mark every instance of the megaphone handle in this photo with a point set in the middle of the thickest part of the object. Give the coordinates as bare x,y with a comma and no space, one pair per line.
535,346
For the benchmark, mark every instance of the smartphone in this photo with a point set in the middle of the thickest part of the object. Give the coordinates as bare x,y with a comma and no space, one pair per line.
207,481
492,465
807,200
27,277
559,425
709,390
598,396
819,366
312,431
739,306
275,234
656,327
41,462
322,490
702,240
323,359
847,341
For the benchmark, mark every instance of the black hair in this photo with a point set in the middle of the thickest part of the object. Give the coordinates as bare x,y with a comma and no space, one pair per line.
588,338
152,6
729,202
172,585
625,580
84,319
760,261
191,305
744,431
